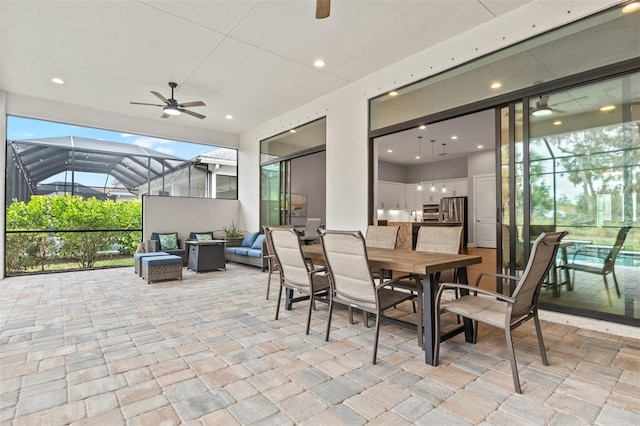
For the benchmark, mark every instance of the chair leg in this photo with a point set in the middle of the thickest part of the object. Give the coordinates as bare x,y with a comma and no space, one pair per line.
350,315
365,318
326,338
419,322
543,351
375,342
279,298
268,283
512,360
606,287
311,306
615,281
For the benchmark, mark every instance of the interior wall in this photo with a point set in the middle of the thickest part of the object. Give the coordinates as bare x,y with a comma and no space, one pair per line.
184,215
347,109
392,172
308,177
438,170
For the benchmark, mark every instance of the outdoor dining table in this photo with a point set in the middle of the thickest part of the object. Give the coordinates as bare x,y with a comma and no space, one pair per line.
429,266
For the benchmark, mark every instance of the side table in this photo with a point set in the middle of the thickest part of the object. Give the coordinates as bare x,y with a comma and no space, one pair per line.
206,255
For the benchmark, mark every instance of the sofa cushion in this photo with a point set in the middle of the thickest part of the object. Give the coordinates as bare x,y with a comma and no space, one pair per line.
168,241
257,244
254,252
249,239
161,260
238,250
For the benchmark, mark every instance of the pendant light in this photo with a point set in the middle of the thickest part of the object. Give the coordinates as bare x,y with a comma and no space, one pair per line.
444,169
419,185
433,187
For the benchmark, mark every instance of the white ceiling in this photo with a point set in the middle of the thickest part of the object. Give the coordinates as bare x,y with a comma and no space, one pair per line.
252,59
470,131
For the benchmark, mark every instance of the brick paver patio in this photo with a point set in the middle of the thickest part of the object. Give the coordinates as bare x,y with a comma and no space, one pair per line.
106,348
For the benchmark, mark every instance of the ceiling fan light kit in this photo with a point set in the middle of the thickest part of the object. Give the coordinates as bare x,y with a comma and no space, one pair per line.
543,112
172,107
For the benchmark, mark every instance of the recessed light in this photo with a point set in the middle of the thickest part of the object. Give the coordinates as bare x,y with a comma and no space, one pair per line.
319,63
422,127
480,146
496,85
292,131
389,151
606,108
393,93
631,7
557,123
57,80
454,137
229,117
417,157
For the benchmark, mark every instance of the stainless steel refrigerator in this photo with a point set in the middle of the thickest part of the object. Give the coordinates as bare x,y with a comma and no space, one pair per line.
454,210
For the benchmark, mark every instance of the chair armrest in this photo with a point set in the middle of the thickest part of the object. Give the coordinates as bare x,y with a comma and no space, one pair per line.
153,245
589,251
476,290
391,282
317,270
488,274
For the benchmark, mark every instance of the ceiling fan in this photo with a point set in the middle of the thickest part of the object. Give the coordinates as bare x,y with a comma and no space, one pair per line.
543,109
172,107
323,7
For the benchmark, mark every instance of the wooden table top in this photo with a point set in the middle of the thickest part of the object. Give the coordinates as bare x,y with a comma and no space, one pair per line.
408,261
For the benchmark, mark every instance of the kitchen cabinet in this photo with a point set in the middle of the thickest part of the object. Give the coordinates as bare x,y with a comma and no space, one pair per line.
391,196
413,197
457,187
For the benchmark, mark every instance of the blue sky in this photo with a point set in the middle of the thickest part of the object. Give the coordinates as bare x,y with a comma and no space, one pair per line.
25,128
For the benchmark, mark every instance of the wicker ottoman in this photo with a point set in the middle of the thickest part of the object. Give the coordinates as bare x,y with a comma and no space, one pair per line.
137,260
156,268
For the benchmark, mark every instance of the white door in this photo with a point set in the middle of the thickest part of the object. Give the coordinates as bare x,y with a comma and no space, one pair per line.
484,194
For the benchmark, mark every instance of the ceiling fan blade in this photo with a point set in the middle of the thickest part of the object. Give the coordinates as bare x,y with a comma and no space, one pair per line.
192,104
570,100
164,115
558,110
159,96
144,103
193,114
323,7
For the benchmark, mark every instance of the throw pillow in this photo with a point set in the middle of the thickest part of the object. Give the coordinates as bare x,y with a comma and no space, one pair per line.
249,239
168,241
204,237
257,244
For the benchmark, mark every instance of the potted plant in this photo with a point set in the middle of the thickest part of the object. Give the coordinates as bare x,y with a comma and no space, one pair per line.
233,235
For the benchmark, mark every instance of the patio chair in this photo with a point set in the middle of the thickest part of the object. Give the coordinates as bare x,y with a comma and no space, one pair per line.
273,265
505,312
382,237
167,242
599,264
436,239
295,272
352,285
310,234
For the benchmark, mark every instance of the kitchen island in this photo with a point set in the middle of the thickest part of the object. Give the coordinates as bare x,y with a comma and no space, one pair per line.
408,232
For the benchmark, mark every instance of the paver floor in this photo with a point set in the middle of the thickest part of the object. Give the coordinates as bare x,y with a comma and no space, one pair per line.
106,348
